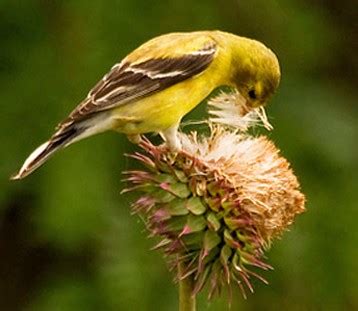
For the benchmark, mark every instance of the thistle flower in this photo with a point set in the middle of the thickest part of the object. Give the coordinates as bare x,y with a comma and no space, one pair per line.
216,205
230,109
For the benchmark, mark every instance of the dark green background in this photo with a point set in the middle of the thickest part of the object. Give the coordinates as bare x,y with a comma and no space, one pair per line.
67,238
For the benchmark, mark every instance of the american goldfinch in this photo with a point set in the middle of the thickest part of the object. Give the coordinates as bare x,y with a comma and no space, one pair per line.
152,88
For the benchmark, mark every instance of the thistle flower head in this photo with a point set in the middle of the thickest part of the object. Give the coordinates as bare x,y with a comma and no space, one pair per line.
216,205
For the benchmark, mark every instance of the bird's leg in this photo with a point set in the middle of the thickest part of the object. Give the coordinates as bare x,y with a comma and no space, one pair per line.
134,138
170,136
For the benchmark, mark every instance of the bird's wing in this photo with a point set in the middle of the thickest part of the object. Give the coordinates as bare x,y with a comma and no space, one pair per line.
152,67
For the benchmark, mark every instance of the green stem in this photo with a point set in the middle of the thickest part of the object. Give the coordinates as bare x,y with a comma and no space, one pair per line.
187,301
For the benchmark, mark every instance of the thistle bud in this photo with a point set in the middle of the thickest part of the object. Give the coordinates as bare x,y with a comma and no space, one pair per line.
216,205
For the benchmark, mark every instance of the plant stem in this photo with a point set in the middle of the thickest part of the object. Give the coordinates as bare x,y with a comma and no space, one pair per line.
187,302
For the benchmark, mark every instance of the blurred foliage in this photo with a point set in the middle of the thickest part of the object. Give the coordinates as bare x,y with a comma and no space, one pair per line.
67,239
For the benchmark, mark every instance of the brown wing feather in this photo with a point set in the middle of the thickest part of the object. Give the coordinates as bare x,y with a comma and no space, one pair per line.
128,82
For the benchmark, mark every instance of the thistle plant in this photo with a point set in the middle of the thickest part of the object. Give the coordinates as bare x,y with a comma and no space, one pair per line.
215,206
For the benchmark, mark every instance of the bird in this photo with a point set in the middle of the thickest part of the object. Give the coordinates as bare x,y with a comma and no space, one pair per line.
153,87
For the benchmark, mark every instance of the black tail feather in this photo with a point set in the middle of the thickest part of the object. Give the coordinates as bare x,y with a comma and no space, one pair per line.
59,140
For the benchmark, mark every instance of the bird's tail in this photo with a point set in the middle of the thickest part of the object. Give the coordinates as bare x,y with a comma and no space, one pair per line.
59,140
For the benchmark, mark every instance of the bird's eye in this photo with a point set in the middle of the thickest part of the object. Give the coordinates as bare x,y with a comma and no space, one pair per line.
252,94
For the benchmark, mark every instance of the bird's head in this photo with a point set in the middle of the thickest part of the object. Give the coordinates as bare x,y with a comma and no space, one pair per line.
256,72
255,78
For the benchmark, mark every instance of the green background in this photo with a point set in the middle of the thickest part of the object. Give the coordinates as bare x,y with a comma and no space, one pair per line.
67,238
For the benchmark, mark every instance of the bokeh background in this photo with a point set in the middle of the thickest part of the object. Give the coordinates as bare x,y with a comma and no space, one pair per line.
67,238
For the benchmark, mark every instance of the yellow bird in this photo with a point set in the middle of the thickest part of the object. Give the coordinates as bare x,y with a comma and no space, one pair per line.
152,88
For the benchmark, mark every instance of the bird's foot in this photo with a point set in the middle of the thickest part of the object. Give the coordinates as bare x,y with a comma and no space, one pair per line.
172,141
174,145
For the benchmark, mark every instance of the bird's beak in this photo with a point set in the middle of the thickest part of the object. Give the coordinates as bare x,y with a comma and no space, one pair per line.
244,109
234,110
